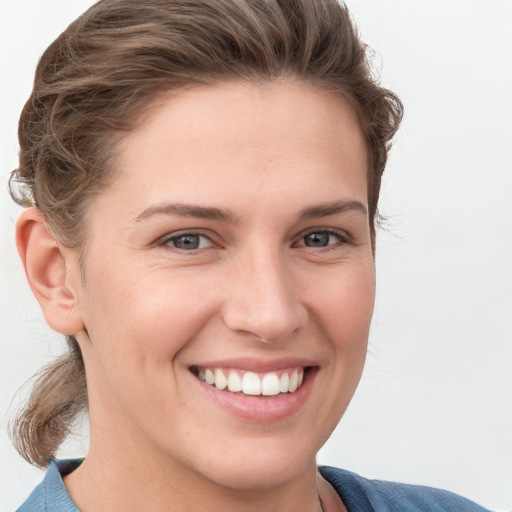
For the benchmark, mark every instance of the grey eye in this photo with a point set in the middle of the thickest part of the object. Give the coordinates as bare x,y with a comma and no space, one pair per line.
189,241
318,239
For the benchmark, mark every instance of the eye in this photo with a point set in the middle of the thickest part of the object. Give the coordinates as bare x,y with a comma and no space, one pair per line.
320,239
187,241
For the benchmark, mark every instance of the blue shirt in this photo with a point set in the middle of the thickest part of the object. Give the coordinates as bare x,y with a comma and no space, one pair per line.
359,494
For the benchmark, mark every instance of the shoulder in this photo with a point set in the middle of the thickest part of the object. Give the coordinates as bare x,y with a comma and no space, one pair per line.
365,495
51,494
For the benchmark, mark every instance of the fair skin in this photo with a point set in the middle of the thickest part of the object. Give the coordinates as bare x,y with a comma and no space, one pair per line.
235,239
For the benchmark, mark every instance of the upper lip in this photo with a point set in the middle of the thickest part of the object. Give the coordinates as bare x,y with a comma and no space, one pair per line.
258,365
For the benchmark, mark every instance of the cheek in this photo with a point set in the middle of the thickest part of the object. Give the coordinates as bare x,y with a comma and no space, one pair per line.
344,303
343,312
137,328
145,320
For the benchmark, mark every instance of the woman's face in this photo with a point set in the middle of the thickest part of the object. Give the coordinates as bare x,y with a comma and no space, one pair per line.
232,249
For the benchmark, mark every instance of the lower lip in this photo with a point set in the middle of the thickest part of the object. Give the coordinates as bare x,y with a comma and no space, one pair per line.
261,409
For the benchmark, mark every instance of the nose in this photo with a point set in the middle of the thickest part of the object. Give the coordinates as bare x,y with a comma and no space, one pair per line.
262,300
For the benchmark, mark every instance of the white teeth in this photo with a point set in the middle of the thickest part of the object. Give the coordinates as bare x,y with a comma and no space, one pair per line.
284,383
234,382
250,383
293,382
220,380
270,384
209,377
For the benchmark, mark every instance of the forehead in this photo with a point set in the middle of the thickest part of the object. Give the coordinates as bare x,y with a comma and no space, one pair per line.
241,138
263,111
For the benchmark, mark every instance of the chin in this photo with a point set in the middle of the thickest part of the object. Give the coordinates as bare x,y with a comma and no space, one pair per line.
260,464
258,476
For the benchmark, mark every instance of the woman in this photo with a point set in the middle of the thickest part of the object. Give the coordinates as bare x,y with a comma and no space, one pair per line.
202,182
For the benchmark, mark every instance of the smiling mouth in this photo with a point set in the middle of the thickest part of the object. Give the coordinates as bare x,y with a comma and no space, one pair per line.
251,383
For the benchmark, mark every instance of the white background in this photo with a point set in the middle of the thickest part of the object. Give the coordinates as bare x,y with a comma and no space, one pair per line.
435,403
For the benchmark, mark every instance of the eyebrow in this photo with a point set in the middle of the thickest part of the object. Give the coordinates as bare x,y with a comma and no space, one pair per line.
325,210
188,210
229,217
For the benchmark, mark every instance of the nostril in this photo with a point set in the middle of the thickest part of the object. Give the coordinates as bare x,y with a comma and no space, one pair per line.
267,327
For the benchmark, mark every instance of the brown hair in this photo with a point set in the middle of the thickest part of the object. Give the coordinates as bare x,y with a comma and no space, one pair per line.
96,80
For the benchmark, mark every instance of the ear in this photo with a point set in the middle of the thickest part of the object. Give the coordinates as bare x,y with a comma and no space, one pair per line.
54,281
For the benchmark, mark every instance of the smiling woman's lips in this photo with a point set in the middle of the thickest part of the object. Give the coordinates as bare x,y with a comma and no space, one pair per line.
253,395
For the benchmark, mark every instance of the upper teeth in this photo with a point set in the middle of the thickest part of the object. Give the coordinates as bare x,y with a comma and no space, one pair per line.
250,383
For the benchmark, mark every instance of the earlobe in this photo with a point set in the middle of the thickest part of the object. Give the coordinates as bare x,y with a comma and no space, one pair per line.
48,274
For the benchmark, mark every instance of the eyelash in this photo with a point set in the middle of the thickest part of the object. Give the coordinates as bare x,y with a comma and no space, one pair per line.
167,241
342,238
